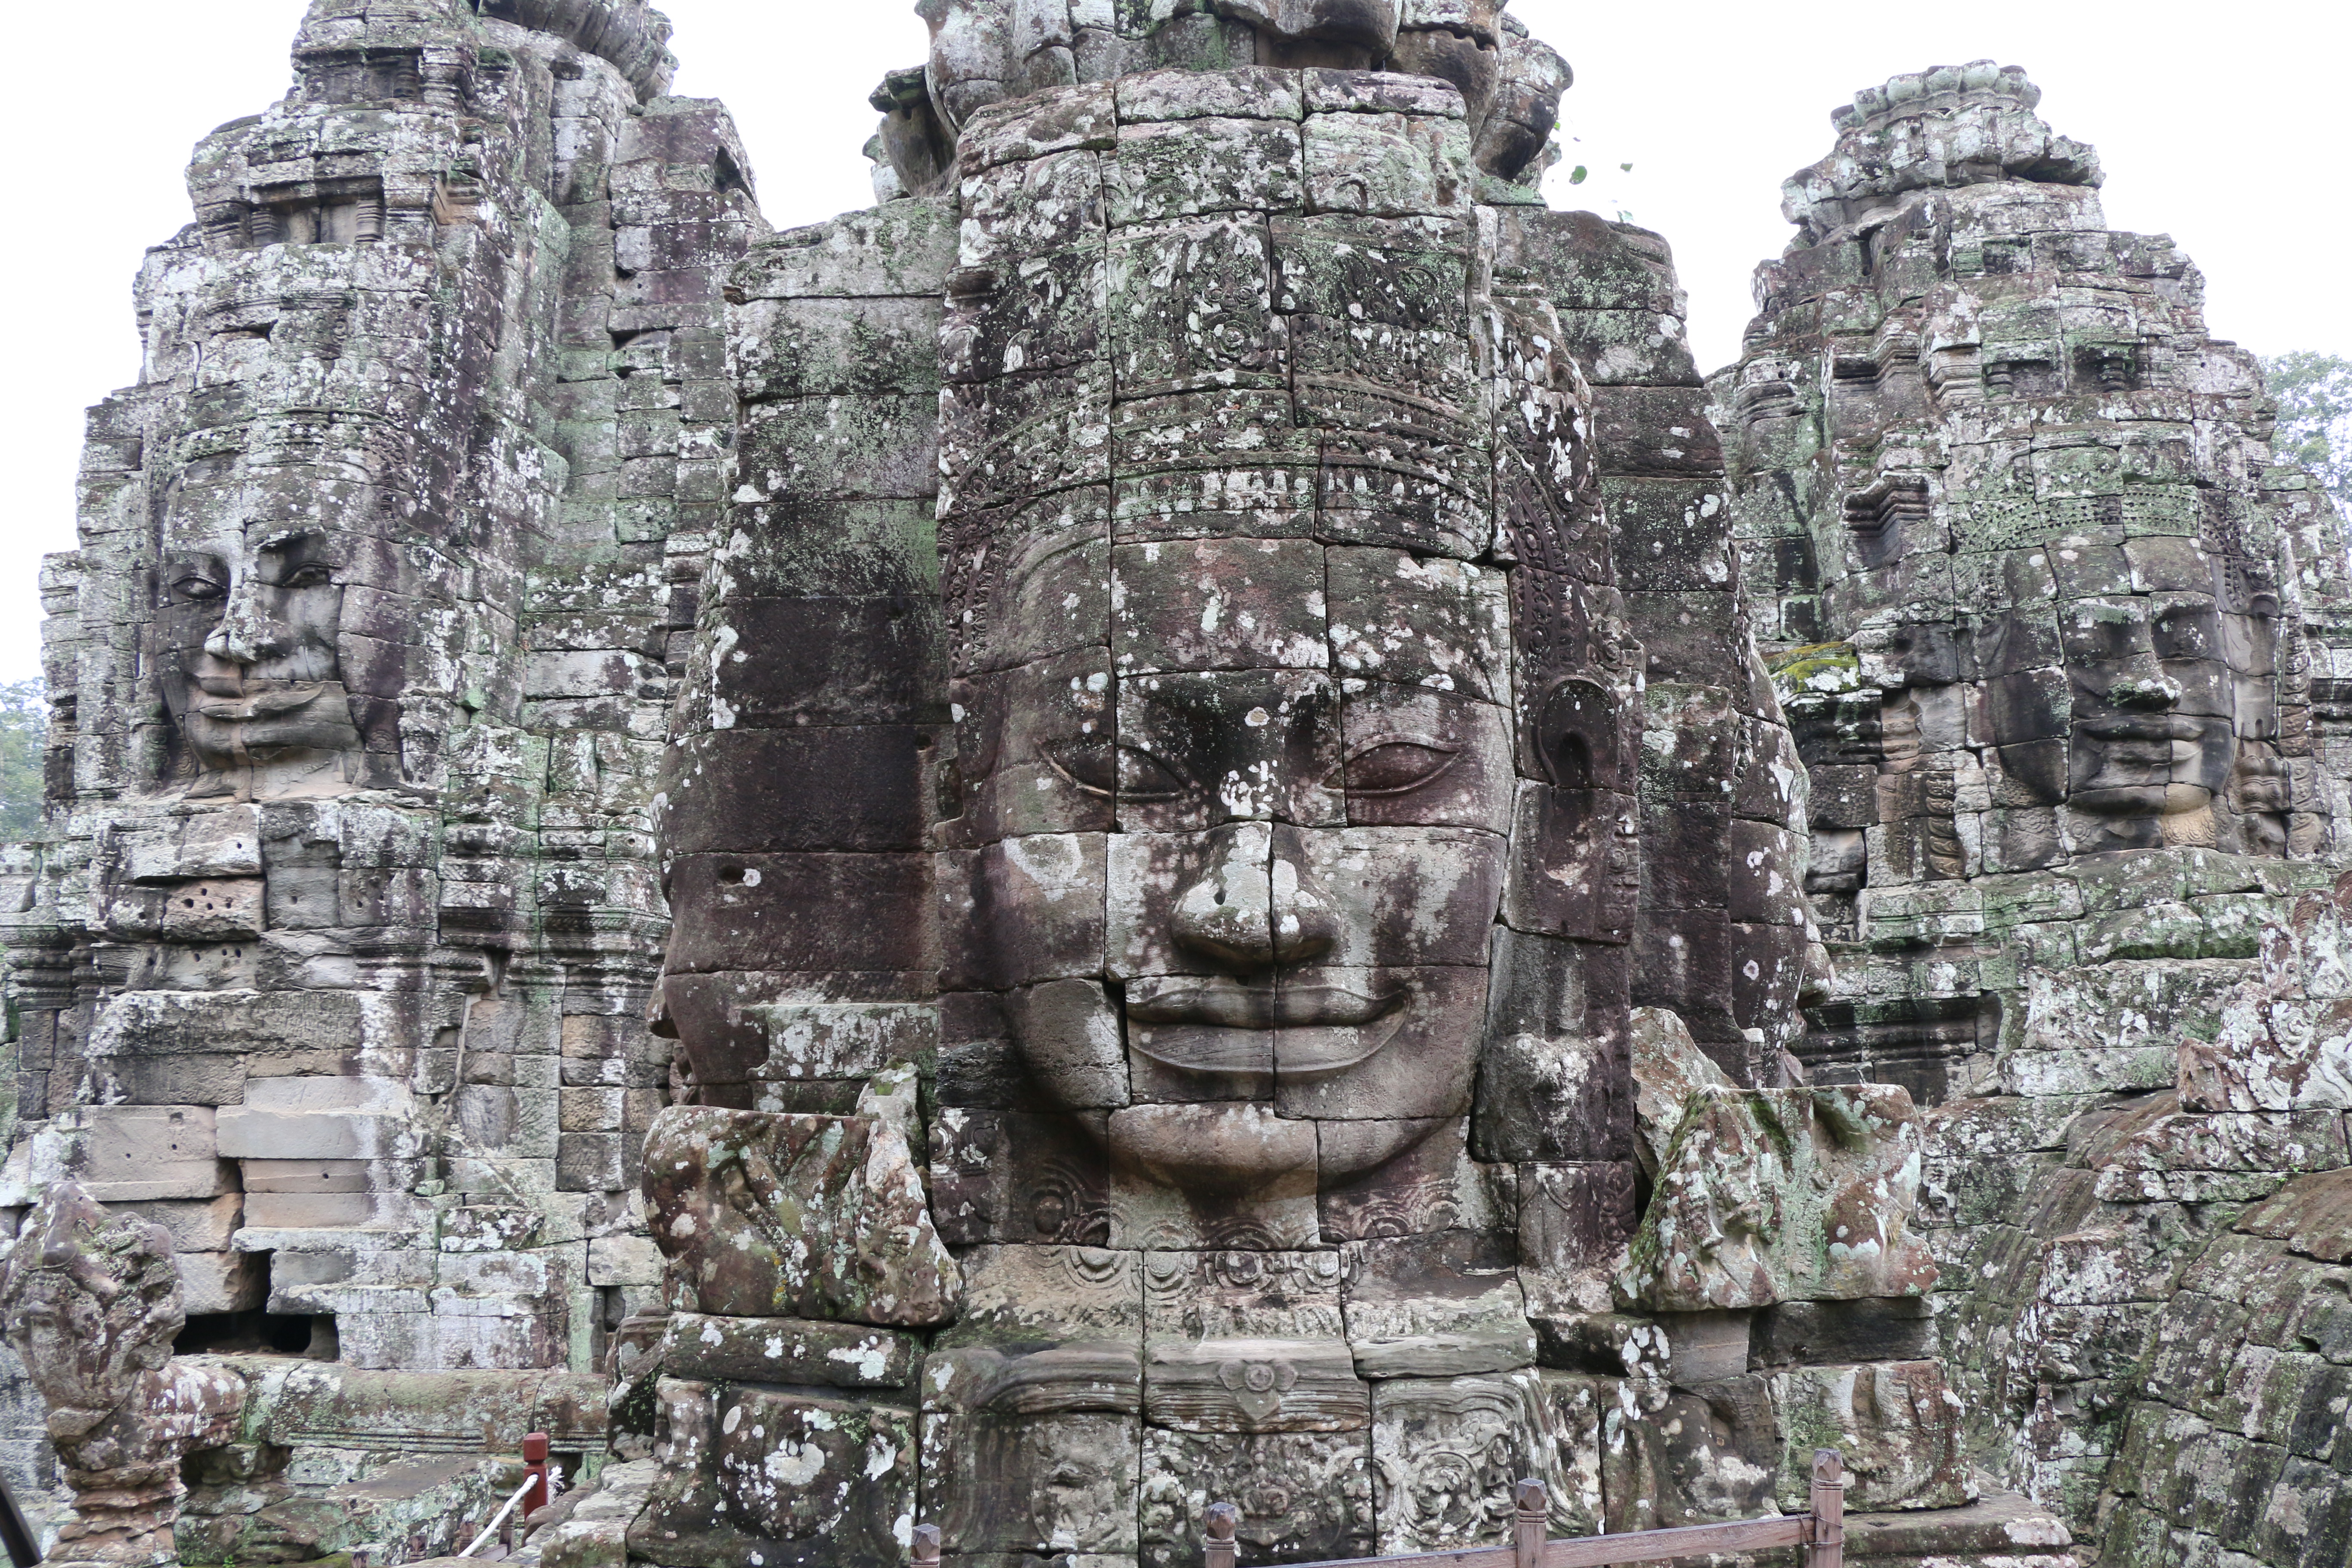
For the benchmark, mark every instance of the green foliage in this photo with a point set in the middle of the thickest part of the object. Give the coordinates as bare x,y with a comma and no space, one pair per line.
2314,424
23,729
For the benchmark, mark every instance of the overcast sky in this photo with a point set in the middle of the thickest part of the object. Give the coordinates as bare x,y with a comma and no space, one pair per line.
2223,126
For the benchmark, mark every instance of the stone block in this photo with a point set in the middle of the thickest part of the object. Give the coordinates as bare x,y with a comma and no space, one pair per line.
1895,1424
1255,1385
1812,1332
787,1350
194,1224
991,1495
300,1093
222,1281
327,1211
412,1343
135,1153
215,909
1674,1456
1485,1433
624,1261
223,842
281,1136
253,1023
591,1161
307,1176
1306,1494
1048,1294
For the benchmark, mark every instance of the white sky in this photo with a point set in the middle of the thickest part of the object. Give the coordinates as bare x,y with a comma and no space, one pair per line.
2223,126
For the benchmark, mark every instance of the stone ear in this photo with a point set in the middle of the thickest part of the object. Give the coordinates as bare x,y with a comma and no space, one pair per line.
1576,736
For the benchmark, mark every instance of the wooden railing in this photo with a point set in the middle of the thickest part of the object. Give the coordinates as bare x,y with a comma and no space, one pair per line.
1820,1534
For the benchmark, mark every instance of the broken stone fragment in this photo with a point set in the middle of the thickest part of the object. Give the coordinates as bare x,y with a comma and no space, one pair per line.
780,1478
795,1216
1668,1069
1769,1195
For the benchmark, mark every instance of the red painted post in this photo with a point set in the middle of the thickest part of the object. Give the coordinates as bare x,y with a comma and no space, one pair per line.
929,1544
534,1465
1222,1551
1828,1550
1530,1522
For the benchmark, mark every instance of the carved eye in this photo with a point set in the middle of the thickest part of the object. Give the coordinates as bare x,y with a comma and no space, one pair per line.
1105,768
1393,767
197,590
1101,767
309,576
1092,764
1144,777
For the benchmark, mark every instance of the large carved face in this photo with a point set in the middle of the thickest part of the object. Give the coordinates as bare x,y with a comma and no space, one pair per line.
247,618
2174,715
1295,869
1250,748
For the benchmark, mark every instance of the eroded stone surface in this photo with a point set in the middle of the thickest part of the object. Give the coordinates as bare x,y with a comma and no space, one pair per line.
776,1216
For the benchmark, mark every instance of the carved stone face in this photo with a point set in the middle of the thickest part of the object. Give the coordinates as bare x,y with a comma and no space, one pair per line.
1300,872
247,618
2151,715
2165,690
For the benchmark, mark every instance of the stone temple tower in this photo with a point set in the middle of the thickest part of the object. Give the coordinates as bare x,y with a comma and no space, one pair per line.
1223,720
2065,650
336,954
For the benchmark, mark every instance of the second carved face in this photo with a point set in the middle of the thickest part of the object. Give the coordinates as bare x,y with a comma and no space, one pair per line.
249,622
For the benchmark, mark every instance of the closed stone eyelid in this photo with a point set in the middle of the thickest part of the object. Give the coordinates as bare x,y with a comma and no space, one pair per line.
1053,755
1451,753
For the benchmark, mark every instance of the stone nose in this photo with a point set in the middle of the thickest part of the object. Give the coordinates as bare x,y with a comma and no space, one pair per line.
1254,906
249,633
1225,914
1306,923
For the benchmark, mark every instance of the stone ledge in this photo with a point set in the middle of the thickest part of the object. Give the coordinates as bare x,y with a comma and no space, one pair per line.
2008,1528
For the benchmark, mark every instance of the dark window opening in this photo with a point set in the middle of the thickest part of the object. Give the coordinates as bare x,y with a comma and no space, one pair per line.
726,174
257,1334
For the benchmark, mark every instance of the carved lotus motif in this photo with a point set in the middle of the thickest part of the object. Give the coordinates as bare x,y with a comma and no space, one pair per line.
1258,1386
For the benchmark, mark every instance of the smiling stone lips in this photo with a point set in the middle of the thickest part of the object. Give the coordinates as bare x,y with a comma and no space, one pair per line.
1228,1028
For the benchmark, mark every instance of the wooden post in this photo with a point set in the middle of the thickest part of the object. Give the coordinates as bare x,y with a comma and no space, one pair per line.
1828,1550
534,1469
1531,1524
1223,1520
928,1545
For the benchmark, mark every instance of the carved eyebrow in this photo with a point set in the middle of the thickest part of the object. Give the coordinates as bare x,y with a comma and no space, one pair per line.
300,541
1405,738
